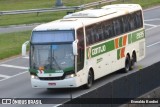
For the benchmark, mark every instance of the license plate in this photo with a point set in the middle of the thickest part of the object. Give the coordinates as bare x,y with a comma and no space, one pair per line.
51,84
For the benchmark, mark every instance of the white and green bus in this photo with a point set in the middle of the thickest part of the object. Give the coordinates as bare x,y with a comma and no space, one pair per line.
86,45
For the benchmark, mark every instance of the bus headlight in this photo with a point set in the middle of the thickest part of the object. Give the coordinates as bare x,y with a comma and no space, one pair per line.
70,76
34,77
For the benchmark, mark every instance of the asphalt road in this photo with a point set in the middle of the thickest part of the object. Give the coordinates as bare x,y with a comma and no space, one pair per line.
17,28
15,80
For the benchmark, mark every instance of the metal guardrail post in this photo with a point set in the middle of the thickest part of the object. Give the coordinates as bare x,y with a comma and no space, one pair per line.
59,3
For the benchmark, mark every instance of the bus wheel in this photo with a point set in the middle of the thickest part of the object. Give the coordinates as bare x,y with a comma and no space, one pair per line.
133,60
90,80
127,64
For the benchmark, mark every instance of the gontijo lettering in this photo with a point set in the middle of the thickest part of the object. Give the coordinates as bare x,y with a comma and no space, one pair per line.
99,50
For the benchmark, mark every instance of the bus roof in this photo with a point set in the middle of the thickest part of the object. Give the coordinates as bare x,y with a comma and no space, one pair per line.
87,17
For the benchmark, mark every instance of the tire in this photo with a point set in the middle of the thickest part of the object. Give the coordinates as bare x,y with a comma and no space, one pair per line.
133,61
127,64
89,80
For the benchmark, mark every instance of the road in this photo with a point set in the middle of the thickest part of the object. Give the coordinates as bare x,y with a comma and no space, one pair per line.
15,80
17,28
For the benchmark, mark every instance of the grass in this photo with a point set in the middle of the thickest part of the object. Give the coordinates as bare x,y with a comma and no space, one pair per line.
50,16
145,3
11,43
32,4
29,18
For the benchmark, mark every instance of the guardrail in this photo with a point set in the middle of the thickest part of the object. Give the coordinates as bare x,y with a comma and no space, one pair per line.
64,8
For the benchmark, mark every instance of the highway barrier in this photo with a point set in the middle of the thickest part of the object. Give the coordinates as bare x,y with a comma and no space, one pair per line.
120,91
55,9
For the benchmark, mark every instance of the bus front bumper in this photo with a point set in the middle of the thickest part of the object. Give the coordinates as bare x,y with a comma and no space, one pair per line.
65,83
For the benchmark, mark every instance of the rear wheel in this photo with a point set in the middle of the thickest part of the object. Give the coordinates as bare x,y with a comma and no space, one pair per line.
127,64
89,80
133,61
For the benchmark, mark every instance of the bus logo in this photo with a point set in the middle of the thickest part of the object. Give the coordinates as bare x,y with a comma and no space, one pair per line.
98,50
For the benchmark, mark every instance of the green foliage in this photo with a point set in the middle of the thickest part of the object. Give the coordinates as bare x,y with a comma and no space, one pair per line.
30,18
11,43
50,16
33,4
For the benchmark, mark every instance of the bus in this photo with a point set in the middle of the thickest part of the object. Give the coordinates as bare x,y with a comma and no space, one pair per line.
86,45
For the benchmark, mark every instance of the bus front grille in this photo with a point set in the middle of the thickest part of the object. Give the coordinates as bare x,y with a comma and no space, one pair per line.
51,78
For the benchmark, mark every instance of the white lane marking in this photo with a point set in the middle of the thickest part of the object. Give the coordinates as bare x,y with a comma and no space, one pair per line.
57,105
150,25
14,76
155,19
13,66
10,60
4,76
150,28
27,57
153,44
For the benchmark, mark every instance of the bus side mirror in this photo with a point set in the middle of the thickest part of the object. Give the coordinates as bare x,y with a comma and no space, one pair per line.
75,49
24,48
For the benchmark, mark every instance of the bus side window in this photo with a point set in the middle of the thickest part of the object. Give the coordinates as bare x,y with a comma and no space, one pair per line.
139,18
88,36
121,25
106,32
136,20
100,33
87,40
114,28
127,22
132,21
80,57
118,27
96,33
92,35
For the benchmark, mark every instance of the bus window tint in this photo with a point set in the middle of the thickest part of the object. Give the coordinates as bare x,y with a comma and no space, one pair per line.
80,57
114,27
139,19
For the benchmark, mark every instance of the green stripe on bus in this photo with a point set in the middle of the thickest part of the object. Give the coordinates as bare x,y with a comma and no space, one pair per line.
120,42
51,71
33,70
110,46
129,38
100,49
118,54
137,36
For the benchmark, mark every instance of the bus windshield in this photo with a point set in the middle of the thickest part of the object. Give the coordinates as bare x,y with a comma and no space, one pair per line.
56,57
52,36
52,50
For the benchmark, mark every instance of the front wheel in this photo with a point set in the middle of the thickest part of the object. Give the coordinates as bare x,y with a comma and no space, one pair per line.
89,80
